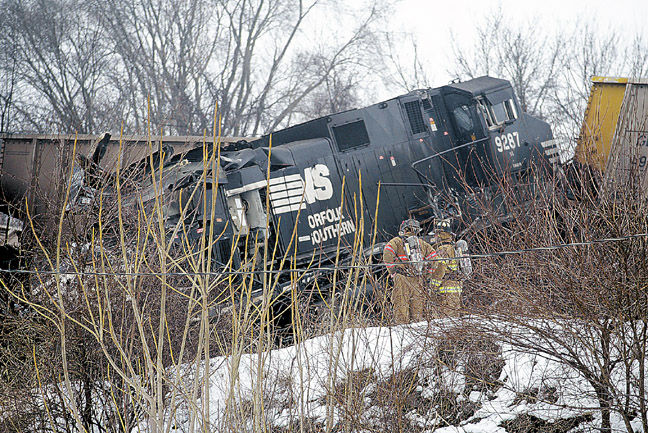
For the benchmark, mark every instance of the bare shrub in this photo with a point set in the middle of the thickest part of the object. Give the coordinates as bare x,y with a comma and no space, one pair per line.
581,300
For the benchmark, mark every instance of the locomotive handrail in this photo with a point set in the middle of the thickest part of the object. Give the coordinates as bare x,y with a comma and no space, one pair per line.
443,153
424,185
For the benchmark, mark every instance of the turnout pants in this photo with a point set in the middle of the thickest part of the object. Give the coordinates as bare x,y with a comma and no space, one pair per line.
408,298
446,301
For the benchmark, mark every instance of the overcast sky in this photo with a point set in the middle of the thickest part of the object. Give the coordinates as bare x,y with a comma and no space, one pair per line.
434,21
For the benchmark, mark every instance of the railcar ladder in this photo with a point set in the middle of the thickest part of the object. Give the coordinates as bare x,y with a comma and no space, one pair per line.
2,151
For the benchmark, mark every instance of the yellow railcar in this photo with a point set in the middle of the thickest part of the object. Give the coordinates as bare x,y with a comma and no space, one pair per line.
614,135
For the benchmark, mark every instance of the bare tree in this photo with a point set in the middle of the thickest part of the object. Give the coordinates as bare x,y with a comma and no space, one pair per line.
588,53
62,63
403,63
256,99
591,52
339,93
637,55
8,76
521,54
162,49
185,56
167,64
551,74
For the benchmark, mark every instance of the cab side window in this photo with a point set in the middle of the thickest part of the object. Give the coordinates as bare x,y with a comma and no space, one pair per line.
499,113
509,106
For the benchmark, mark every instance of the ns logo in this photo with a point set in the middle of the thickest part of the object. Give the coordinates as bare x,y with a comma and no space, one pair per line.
292,192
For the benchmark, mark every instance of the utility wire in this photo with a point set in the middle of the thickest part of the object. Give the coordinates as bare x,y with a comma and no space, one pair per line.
327,268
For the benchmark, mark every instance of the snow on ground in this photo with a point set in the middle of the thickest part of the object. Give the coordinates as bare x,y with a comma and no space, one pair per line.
305,382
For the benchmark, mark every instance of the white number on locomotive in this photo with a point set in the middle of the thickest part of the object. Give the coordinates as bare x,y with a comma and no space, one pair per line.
508,141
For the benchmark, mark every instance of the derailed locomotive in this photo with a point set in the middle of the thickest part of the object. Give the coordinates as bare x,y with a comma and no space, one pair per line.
432,152
305,189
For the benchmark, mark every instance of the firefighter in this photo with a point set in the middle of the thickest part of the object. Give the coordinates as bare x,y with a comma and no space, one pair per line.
404,257
445,280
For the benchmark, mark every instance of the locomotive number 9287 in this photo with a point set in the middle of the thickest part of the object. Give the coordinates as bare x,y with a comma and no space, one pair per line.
508,141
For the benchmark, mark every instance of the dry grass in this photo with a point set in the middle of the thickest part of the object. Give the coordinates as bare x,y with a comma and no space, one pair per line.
124,342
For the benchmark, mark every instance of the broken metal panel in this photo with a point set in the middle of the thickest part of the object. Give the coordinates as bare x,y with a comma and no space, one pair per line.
255,210
280,157
237,214
81,195
245,179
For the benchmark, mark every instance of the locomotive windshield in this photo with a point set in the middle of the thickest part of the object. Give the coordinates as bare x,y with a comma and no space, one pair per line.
504,111
497,114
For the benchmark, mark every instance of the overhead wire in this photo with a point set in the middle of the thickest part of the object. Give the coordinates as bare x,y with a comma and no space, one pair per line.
326,268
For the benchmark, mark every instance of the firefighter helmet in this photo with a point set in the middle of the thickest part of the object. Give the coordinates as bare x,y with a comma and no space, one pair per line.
443,225
409,227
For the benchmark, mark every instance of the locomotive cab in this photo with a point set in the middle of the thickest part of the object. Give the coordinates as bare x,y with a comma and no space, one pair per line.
486,110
